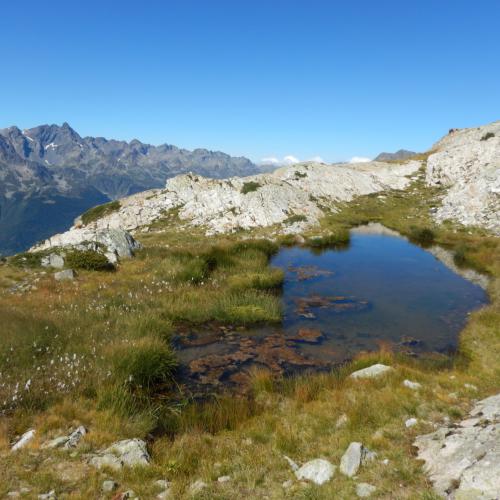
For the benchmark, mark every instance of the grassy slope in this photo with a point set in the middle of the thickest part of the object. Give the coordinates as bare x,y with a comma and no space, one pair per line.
106,313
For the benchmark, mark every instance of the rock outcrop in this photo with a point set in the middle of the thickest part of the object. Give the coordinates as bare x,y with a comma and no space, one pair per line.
114,243
467,163
463,460
293,196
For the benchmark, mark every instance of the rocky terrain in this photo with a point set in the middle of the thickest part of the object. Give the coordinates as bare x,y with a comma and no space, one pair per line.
467,163
463,460
50,174
294,196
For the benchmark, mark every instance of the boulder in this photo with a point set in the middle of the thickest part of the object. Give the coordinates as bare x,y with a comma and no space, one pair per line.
318,471
372,371
24,440
126,453
66,275
53,260
463,461
355,456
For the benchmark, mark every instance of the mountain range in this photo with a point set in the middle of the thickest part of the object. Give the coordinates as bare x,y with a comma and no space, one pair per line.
50,174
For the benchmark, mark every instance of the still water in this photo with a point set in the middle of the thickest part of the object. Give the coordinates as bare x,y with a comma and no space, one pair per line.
380,291
401,295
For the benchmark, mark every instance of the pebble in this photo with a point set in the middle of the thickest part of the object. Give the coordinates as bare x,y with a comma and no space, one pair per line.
411,422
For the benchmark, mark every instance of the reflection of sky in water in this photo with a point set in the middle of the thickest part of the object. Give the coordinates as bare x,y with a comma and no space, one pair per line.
411,293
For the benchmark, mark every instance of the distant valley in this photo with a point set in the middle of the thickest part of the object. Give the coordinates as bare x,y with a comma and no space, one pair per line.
50,174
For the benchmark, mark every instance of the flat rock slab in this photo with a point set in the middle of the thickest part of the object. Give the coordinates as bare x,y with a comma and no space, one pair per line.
318,471
463,461
355,456
372,371
126,453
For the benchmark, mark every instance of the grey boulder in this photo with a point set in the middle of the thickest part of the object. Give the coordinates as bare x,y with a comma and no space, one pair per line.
463,461
126,453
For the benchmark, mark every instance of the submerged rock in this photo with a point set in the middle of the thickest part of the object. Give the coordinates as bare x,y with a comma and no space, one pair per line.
463,461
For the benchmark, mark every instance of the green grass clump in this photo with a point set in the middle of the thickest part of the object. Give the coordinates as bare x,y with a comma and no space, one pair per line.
423,236
259,281
250,187
88,260
295,218
337,239
144,364
487,136
100,211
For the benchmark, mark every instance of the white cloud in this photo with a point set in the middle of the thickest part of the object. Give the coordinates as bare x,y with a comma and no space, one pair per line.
288,160
317,159
359,159
270,161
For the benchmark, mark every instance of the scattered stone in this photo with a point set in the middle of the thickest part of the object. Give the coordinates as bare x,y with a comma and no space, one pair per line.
197,486
365,490
462,461
355,456
126,453
162,484
66,275
51,495
412,385
128,495
342,421
223,479
385,461
109,486
471,387
24,440
287,484
14,494
411,422
318,471
372,371
66,442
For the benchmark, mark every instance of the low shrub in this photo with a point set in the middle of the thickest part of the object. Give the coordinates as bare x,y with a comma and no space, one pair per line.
295,218
487,136
249,187
100,211
88,260
300,175
26,259
423,236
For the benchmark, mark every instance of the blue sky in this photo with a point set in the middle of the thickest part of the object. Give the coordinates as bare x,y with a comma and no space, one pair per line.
311,78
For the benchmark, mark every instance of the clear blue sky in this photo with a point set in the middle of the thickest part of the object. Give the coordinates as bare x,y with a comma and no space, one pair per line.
254,78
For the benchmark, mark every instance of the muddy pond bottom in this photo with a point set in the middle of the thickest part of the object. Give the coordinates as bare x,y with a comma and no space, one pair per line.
379,291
